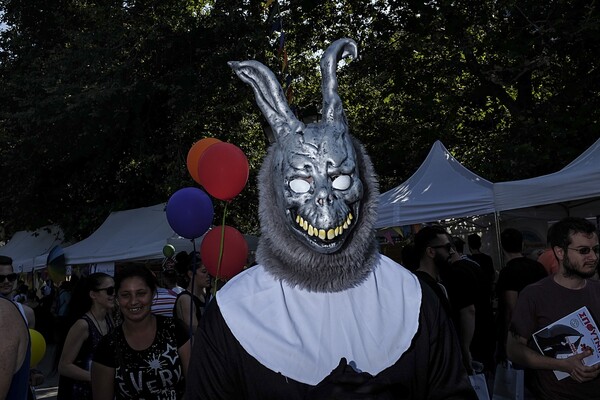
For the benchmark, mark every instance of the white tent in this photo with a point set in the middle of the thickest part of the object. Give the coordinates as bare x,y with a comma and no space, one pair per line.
440,189
574,190
26,247
130,235
138,234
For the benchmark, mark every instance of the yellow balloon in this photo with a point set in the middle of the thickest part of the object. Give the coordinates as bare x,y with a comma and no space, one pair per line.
38,347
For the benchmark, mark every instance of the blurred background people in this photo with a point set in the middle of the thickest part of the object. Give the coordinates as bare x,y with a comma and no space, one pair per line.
89,317
190,303
485,262
518,272
471,310
147,355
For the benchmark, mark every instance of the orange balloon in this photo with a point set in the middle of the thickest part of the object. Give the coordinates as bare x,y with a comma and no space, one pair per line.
195,153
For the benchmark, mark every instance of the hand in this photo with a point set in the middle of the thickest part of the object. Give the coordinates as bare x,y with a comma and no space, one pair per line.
36,377
344,383
579,372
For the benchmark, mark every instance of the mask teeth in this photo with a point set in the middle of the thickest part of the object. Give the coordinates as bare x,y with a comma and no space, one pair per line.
322,233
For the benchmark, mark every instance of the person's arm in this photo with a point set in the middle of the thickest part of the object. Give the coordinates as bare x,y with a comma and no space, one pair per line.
518,352
103,382
13,346
184,354
77,335
508,299
466,329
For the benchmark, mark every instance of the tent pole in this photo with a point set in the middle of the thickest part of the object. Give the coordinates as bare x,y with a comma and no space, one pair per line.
500,252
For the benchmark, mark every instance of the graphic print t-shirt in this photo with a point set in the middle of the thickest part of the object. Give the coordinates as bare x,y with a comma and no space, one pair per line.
153,373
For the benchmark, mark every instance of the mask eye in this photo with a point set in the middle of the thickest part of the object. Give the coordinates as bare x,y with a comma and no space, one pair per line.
342,182
300,186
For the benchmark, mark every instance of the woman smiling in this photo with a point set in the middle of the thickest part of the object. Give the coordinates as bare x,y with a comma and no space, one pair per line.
147,355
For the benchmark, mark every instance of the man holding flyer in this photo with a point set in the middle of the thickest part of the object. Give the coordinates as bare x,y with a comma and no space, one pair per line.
574,242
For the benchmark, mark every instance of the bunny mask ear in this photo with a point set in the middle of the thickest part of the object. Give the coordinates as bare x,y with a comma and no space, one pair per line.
317,186
269,97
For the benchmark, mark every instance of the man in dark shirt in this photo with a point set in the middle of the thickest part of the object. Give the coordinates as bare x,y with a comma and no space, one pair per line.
519,272
484,261
471,309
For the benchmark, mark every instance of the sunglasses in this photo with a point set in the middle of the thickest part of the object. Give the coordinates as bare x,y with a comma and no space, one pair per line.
585,250
109,290
9,277
447,246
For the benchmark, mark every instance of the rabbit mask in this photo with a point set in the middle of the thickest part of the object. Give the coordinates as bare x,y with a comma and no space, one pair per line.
317,186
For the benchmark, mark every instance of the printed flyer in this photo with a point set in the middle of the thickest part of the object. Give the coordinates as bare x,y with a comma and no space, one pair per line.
570,335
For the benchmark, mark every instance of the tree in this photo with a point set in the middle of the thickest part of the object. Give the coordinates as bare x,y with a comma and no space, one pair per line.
100,102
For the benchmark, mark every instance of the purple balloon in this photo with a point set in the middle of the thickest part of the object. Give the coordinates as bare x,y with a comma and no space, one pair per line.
190,212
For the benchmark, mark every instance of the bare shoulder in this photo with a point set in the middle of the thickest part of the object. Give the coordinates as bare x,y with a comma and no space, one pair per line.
9,312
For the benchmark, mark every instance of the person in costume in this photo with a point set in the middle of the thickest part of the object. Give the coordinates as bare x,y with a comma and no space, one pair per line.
323,315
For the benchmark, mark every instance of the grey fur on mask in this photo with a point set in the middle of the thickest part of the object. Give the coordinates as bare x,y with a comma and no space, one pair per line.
287,258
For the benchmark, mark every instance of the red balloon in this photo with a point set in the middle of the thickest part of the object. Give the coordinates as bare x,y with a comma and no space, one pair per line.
195,153
235,252
223,170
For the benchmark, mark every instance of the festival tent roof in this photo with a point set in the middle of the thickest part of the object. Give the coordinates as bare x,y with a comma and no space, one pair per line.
25,247
570,191
441,188
129,235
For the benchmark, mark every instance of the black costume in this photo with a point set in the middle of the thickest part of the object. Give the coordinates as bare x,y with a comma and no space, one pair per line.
430,368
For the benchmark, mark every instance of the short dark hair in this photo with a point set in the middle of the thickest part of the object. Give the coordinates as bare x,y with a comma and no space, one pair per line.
134,270
5,260
458,244
511,240
474,241
425,237
560,233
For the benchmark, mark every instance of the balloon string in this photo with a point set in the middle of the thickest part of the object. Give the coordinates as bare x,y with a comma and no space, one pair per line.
194,268
220,248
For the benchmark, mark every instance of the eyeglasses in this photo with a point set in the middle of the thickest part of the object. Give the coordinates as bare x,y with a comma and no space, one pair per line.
109,290
447,246
9,277
585,250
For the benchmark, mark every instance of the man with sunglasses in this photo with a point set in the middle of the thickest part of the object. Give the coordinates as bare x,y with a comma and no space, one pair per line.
574,242
434,250
8,285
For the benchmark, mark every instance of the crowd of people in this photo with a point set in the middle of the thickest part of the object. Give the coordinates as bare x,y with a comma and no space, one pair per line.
119,324
123,338
324,315
496,314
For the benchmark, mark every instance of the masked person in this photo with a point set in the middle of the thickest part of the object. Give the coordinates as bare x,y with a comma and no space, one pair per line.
323,314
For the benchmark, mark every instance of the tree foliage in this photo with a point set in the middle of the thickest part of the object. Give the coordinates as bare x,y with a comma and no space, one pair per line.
100,102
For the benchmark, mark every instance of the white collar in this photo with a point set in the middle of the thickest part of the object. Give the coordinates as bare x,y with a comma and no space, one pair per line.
303,335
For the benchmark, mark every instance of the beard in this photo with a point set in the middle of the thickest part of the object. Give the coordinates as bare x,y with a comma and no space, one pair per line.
571,269
442,264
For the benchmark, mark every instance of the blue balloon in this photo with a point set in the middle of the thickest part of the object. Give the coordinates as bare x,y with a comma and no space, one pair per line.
190,212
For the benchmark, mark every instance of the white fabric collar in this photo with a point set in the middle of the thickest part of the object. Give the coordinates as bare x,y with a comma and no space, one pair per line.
303,335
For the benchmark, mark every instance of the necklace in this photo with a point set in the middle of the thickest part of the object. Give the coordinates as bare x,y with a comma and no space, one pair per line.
97,323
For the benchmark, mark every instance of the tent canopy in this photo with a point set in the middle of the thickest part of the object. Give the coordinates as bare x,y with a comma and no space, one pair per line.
138,234
130,235
26,247
570,191
441,188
